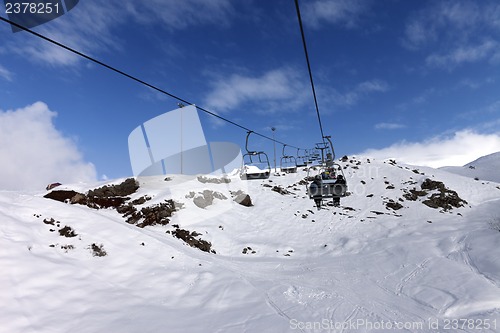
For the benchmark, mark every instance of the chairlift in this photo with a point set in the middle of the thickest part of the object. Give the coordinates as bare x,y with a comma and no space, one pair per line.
288,163
313,156
329,180
327,152
322,146
302,160
255,164
330,153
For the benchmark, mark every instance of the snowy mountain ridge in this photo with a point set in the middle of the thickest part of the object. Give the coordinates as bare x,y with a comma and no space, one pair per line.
484,168
410,247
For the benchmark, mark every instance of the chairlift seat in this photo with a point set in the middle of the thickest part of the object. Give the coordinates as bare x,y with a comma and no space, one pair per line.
249,169
254,172
329,189
288,163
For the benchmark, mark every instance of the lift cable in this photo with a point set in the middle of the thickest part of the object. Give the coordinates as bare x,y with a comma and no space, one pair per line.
135,79
309,69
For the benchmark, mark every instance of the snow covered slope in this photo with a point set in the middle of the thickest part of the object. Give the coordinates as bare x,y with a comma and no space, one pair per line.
484,168
402,253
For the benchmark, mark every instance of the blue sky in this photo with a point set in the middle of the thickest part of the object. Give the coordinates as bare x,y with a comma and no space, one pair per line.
414,80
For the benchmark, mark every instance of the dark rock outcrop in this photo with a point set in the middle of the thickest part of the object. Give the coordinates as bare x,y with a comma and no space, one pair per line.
442,198
189,238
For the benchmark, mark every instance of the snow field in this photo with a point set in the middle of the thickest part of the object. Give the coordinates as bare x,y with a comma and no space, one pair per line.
361,264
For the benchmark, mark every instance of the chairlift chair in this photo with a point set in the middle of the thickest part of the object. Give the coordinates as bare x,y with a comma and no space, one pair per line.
325,187
330,153
302,160
288,163
329,182
313,156
255,164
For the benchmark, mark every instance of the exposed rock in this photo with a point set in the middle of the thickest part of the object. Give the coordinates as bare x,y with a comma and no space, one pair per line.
68,247
141,200
149,216
50,221
220,196
248,249
190,239
280,190
243,199
78,199
67,232
97,250
202,200
430,185
116,196
53,185
444,198
414,194
206,198
394,205
223,180
61,195
128,187
99,202
103,197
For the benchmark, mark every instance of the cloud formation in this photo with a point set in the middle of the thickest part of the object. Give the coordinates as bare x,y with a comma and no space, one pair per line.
389,126
178,15
282,90
34,153
339,12
465,54
274,91
456,150
455,32
89,27
5,74
356,94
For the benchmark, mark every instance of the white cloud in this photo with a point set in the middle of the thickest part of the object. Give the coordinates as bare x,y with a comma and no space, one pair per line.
389,126
88,28
464,54
176,14
281,90
353,96
455,20
5,73
474,84
34,153
455,32
274,91
463,147
343,12
373,86
417,34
